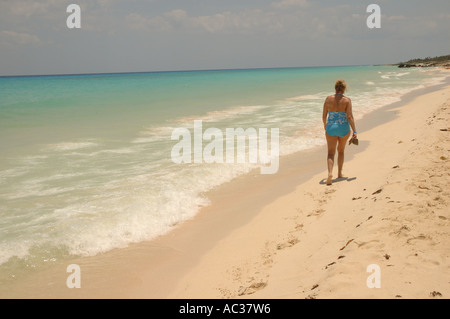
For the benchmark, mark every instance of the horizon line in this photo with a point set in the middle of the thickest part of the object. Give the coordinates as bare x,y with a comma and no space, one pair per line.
187,70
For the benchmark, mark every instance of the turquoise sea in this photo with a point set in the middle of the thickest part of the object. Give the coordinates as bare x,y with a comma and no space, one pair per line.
86,166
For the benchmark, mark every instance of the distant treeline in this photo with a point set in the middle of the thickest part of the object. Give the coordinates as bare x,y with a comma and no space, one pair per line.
427,62
438,59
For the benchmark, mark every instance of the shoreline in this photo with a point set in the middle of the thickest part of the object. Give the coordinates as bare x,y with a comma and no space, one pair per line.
325,237
166,266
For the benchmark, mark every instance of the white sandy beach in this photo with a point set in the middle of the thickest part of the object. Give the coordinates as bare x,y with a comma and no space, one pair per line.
317,241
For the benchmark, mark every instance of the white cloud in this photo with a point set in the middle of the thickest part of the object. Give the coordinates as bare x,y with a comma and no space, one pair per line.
135,21
246,22
28,8
12,37
229,21
396,18
287,4
178,15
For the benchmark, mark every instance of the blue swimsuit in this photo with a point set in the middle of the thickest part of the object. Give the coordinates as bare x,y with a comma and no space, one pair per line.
337,124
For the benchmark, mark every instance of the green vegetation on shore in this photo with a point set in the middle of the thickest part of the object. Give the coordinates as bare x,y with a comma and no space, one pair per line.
427,62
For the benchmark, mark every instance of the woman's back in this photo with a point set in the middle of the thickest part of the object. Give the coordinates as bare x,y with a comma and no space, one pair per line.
337,103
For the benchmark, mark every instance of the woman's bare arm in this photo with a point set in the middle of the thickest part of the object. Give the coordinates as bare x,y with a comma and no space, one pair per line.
324,115
351,120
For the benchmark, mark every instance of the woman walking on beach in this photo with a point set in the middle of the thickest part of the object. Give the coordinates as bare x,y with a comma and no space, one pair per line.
338,108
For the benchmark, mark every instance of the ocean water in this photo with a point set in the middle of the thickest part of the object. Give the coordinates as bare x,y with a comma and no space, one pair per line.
86,165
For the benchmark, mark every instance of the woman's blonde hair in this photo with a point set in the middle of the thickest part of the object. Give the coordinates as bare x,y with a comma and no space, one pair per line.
340,85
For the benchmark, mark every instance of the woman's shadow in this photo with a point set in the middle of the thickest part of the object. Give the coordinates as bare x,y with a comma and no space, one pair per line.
337,180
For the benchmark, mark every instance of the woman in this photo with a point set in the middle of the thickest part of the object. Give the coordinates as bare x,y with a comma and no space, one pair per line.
337,128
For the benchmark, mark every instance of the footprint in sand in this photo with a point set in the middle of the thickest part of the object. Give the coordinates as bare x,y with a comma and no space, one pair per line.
402,231
317,212
291,242
252,288
237,273
369,244
225,293
266,256
420,237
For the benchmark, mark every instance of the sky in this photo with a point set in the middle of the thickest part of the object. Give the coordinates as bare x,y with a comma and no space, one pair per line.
168,35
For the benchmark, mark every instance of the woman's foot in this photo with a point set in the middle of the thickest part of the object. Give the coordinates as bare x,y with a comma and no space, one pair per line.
330,179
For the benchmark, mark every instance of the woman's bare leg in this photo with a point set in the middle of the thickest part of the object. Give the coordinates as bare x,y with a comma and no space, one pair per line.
331,142
341,149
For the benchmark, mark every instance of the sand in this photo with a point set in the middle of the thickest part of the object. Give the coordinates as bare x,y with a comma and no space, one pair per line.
291,236
318,241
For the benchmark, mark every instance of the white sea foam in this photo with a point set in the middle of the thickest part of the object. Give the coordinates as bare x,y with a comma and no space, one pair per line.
51,178
37,191
162,131
34,159
69,146
390,75
149,139
307,97
13,172
124,150
15,248
135,209
221,115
